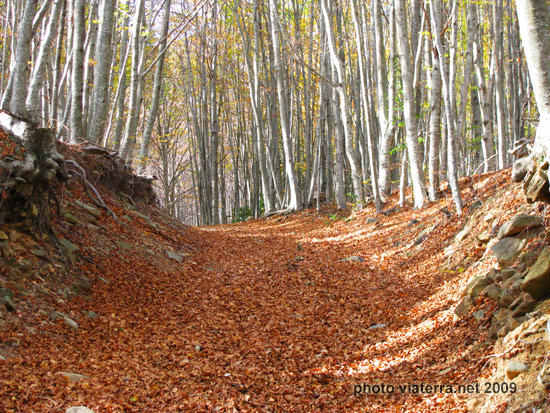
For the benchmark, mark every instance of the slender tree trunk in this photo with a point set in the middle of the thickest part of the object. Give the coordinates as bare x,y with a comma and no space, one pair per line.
77,76
157,91
40,65
295,202
344,107
129,139
100,95
499,83
407,73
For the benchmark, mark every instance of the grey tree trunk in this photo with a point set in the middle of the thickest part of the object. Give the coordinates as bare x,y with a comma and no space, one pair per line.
295,201
19,75
129,138
411,127
499,83
157,91
344,106
450,111
534,23
77,76
100,94
38,71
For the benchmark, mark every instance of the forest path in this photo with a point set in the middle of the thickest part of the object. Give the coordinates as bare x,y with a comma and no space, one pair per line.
283,323
265,315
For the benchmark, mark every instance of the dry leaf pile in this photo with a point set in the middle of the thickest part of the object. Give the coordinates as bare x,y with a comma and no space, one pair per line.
268,315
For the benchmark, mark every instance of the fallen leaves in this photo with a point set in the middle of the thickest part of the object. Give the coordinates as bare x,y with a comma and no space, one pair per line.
245,323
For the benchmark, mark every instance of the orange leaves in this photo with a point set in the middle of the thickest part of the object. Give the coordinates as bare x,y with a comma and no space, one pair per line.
244,324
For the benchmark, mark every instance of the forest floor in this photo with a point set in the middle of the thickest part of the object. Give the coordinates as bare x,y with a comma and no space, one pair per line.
266,315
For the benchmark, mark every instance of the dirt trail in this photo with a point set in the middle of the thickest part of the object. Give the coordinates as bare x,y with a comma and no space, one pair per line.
265,316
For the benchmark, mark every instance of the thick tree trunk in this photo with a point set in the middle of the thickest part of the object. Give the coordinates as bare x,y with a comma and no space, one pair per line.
39,162
534,22
19,75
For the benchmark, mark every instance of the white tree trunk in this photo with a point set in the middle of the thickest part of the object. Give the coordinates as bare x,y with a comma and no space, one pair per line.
295,202
344,106
534,24
41,61
411,127
77,75
100,94
19,73
157,91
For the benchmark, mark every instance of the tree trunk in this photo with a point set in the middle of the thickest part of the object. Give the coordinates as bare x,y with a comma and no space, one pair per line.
77,76
534,23
19,75
295,202
411,127
157,91
100,93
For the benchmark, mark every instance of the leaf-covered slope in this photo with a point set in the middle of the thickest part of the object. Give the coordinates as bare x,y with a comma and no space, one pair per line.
269,315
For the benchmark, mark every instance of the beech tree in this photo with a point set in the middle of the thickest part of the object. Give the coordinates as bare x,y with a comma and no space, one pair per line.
287,103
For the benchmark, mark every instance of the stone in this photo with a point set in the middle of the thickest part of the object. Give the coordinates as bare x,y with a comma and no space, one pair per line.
412,223
376,326
479,314
518,224
507,273
484,237
88,208
175,256
493,275
422,236
8,303
498,295
537,187
69,321
79,409
73,377
3,236
461,236
507,250
70,218
515,368
464,306
371,220
522,305
354,258
512,282
82,286
123,245
489,217
69,249
537,281
90,314
477,285
39,252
